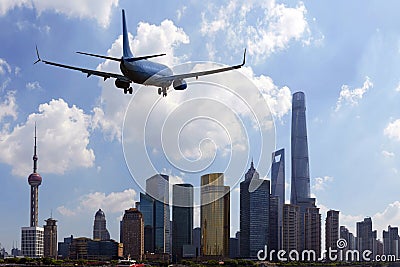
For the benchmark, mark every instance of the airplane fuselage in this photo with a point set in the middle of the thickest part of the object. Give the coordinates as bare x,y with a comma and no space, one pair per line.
146,72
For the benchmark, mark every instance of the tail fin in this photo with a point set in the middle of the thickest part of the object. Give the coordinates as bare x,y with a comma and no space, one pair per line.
125,49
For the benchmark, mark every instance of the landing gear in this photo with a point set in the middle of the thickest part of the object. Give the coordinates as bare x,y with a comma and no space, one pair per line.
163,91
128,90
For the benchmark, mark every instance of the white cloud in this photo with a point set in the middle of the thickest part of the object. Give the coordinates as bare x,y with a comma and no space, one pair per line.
352,97
93,9
397,89
180,12
321,182
65,211
4,67
33,86
392,130
387,154
17,71
25,25
279,99
8,106
114,202
63,138
262,26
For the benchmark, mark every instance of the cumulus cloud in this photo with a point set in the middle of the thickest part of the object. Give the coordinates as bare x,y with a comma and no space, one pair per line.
279,99
63,136
392,130
352,97
321,182
8,106
262,26
93,9
114,202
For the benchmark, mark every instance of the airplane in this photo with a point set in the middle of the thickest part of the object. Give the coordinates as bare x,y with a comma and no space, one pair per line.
140,70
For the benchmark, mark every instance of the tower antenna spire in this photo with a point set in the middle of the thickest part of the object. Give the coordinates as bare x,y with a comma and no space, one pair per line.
35,157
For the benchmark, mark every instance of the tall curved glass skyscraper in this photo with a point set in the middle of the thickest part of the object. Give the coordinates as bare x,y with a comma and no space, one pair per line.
310,218
300,185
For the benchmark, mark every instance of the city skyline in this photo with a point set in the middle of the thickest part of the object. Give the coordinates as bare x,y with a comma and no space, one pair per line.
351,102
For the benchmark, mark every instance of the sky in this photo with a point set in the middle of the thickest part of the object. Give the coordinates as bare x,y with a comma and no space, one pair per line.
96,146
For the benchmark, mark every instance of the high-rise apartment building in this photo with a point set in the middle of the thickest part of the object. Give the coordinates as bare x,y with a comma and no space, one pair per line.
50,238
349,237
291,227
182,218
331,229
132,234
366,238
391,240
214,215
100,231
254,213
312,230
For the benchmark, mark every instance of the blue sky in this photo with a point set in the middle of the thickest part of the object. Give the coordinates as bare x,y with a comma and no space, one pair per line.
344,55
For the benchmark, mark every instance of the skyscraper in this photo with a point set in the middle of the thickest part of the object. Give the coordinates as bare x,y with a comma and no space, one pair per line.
50,238
291,228
254,214
331,229
300,184
349,237
154,206
182,218
277,191
391,241
100,231
365,236
214,215
32,237
132,234
312,230
146,207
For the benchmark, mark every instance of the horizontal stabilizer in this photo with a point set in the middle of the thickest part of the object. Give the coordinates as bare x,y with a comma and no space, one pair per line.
100,56
143,57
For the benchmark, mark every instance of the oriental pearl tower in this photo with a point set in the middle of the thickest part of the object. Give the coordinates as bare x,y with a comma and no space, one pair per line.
34,181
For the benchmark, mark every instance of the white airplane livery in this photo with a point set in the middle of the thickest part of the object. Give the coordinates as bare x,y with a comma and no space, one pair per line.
140,70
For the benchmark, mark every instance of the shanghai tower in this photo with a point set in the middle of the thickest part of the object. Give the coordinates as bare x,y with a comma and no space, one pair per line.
300,185
310,218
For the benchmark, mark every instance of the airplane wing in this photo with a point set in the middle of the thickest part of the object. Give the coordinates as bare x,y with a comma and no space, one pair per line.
89,72
201,73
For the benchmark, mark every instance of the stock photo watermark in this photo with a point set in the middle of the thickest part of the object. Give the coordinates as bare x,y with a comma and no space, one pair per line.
331,255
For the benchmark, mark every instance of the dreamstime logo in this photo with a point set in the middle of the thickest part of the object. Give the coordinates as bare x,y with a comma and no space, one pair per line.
217,125
340,254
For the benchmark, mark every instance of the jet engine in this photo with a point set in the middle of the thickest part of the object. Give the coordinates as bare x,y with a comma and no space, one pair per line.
180,84
120,83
